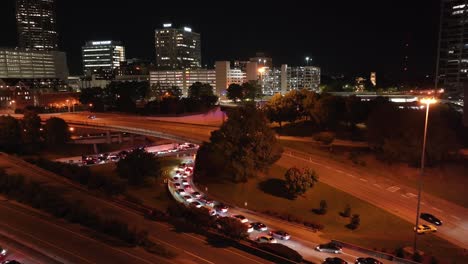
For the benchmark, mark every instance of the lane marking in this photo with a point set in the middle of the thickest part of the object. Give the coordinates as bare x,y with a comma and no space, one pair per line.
405,196
437,209
376,185
362,179
339,171
456,217
423,203
251,259
189,253
393,189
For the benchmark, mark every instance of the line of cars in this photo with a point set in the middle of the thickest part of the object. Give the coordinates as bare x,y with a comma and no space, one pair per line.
428,228
336,248
3,255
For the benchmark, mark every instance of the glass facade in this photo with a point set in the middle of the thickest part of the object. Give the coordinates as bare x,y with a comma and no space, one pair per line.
182,78
177,48
36,24
101,58
302,77
452,70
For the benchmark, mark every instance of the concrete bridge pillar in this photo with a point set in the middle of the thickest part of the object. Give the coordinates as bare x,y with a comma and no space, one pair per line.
132,139
108,137
120,138
96,151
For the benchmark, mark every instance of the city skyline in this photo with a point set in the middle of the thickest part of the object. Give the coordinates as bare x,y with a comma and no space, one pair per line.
367,34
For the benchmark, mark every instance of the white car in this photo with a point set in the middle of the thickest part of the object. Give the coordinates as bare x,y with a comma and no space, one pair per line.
266,239
280,235
241,218
196,204
181,191
211,211
188,198
185,182
249,228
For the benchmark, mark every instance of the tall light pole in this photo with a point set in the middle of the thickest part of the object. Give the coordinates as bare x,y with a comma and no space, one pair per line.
427,102
307,60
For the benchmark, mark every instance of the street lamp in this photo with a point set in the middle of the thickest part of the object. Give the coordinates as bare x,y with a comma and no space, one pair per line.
307,60
427,102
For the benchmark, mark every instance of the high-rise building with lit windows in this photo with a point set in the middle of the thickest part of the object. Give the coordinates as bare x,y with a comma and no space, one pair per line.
452,63
101,58
177,48
36,24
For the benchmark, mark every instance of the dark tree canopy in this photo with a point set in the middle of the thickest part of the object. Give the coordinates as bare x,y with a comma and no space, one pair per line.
56,132
139,165
299,181
234,92
10,133
202,93
243,145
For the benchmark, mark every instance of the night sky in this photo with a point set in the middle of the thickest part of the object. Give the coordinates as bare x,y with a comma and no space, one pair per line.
351,37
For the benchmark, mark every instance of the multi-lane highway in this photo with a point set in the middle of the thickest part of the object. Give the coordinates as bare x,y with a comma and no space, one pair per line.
75,244
386,195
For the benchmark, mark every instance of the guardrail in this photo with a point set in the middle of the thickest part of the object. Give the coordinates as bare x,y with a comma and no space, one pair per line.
374,253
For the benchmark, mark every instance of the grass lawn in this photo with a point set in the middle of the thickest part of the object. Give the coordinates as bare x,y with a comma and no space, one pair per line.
156,195
379,229
447,182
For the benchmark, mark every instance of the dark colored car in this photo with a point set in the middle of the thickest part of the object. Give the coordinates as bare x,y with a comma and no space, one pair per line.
259,226
334,260
367,261
330,248
221,207
431,219
280,234
11,262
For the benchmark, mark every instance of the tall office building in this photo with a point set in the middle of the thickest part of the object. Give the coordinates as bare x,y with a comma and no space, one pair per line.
36,24
177,48
452,63
301,77
101,58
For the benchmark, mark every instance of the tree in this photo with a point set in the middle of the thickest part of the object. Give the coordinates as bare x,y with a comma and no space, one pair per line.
175,92
235,92
347,211
203,93
323,207
56,132
354,222
232,228
139,165
10,133
251,90
93,96
330,110
299,181
243,145
281,109
31,125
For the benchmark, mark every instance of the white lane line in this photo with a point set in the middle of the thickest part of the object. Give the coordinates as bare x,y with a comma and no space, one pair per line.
393,189
251,259
350,175
376,185
405,196
423,203
411,195
437,209
339,171
191,254
456,217
362,179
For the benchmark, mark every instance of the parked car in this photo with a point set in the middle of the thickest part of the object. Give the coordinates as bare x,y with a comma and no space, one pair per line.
334,260
431,218
330,248
367,261
266,239
241,218
422,229
280,235
259,226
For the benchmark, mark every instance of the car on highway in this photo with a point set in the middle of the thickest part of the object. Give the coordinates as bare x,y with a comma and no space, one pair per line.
367,261
241,218
280,234
175,179
249,228
187,187
266,239
188,198
3,252
196,204
185,182
181,191
196,194
11,262
221,208
259,226
211,211
431,218
334,260
422,229
329,248
91,117
206,201
177,184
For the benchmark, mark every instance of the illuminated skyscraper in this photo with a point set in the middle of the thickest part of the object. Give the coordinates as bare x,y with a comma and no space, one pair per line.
101,58
177,48
452,64
36,24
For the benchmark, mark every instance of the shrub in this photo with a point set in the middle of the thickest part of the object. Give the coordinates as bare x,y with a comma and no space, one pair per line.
325,137
323,207
347,211
400,252
417,257
232,228
355,222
